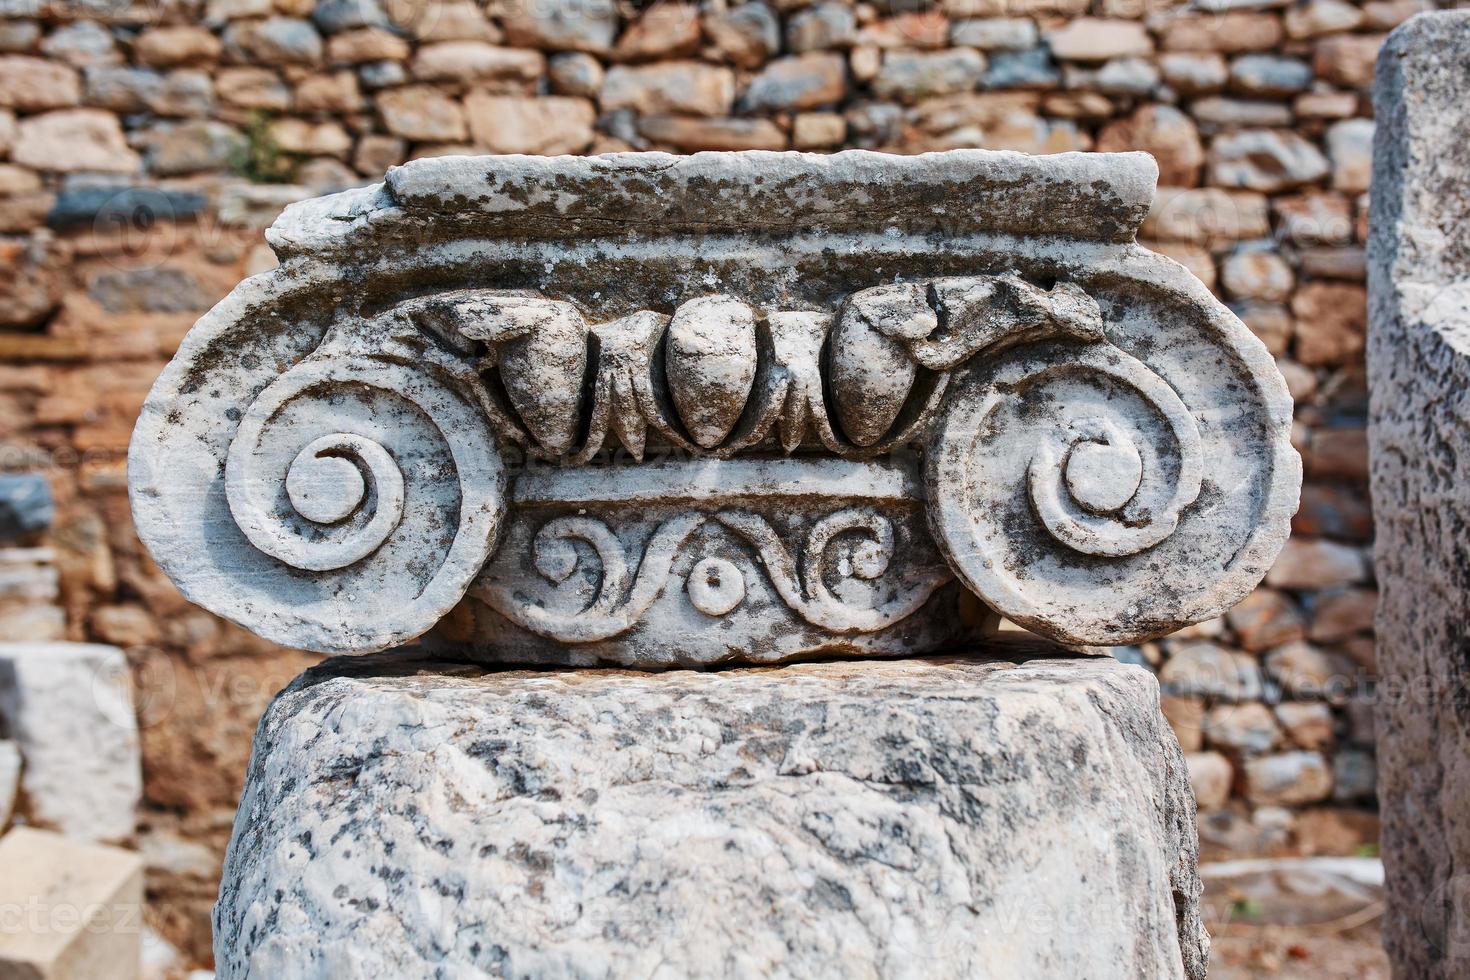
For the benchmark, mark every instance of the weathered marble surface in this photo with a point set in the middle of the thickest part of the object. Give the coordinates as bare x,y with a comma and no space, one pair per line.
1419,440
653,410
69,709
909,818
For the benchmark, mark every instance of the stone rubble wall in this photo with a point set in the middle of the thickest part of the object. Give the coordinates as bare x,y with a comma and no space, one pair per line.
144,146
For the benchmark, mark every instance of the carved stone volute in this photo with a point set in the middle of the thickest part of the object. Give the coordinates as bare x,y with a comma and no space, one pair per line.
654,410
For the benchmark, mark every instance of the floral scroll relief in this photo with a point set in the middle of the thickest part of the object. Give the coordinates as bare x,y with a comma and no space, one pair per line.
1097,450
715,585
718,377
1064,479
374,476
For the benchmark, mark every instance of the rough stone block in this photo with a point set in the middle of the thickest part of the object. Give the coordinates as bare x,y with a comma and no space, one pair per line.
1210,774
71,910
746,35
690,87
1089,39
1419,376
517,124
1288,779
30,84
912,75
1265,160
801,82
68,706
694,133
1165,132
924,818
1246,729
71,140
572,25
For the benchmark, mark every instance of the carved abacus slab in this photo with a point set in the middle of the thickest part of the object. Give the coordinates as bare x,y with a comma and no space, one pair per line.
659,410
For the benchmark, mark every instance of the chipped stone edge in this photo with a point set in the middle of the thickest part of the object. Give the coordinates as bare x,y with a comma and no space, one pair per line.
760,190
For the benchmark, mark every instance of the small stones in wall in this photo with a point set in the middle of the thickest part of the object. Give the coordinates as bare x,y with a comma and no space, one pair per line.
30,84
681,87
1309,724
1318,564
908,76
1091,39
561,25
1350,147
70,140
30,607
1288,779
1186,717
1257,274
25,506
1210,777
800,82
519,124
818,131
419,112
1167,133
1247,729
1264,160
691,134
1212,671
1266,618
576,73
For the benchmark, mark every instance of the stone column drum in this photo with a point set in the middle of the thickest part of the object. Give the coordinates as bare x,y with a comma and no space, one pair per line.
655,411
901,818
1419,446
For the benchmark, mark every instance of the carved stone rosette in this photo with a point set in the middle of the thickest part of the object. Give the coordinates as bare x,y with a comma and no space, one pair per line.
658,410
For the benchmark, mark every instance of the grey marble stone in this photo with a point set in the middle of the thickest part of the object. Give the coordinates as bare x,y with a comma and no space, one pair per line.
654,410
68,707
1419,377
910,818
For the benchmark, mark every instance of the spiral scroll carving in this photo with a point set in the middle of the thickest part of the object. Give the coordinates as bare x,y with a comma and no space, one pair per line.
621,597
329,483
867,558
376,477
1054,461
1102,491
